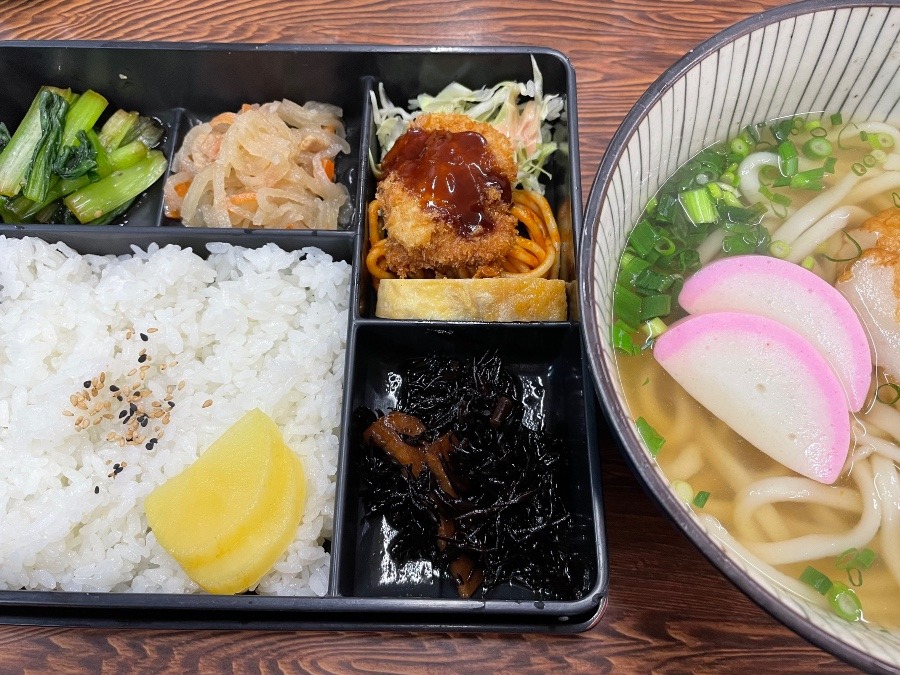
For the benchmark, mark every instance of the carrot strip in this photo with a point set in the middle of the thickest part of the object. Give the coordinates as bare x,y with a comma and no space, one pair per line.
328,165
223,118
182,188
242,198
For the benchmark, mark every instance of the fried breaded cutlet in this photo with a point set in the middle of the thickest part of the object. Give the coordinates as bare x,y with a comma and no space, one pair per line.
446,198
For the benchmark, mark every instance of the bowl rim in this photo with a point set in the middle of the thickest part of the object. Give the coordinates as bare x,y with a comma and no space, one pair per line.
616,416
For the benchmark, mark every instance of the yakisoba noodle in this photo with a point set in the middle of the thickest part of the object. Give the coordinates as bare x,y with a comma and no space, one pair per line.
536,255
267,166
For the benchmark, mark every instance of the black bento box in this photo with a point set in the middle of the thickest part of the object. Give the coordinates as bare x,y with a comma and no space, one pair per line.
184,84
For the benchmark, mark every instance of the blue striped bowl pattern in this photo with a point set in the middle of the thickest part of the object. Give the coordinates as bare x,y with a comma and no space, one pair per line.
807,57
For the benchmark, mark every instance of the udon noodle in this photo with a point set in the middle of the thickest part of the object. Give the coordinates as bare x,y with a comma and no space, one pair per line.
782,521
267,166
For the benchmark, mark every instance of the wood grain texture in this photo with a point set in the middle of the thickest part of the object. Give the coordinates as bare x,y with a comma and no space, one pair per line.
669,609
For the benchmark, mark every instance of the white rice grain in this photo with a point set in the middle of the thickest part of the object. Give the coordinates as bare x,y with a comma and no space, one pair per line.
243,329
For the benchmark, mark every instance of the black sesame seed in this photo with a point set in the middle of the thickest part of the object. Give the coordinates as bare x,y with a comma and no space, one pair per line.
144,337
142,358
132,408
171,404
113,387
122,414
144,421
117,469
116,466
87,384
96,489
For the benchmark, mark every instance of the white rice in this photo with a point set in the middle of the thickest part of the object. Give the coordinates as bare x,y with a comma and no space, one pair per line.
248,328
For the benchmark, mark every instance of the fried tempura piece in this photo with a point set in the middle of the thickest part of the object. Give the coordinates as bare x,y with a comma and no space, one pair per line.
446,202
872,285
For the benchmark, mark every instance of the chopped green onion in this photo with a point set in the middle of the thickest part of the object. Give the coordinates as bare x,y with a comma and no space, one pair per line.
769,173
844,601
779,249
699,206
750,133
683,491
701,498
622,340
627,306
653,306
652,282
782,129
789,161
836,120
739,146
865,558
853,257
888,393
829,164
854,562
896,197
775,198
643,238
869,161
654,327
804,180
817,148
813,577
808,263
811,125
730,178
650,436
882,141
859,169
664,246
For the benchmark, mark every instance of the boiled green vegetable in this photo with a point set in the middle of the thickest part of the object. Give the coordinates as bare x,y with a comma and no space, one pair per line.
57,168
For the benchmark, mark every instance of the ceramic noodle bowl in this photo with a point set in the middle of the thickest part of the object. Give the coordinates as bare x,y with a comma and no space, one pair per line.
807,57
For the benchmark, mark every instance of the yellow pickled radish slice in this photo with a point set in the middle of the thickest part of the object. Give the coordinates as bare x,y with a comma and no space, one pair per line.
242,567
203,512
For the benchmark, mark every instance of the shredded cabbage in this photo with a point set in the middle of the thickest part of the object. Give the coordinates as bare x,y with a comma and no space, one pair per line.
527,123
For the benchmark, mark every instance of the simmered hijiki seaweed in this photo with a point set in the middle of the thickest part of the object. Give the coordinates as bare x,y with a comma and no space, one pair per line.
467,485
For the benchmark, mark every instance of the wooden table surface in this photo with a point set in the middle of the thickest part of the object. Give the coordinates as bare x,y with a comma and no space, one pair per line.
658,619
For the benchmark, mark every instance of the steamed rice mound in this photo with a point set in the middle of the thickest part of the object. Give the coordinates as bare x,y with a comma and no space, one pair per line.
246,328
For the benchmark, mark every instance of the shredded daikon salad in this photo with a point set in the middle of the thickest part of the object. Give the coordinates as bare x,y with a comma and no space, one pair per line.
266,166
527,122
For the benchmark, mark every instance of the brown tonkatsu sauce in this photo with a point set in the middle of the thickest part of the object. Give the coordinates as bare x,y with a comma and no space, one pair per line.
451,173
